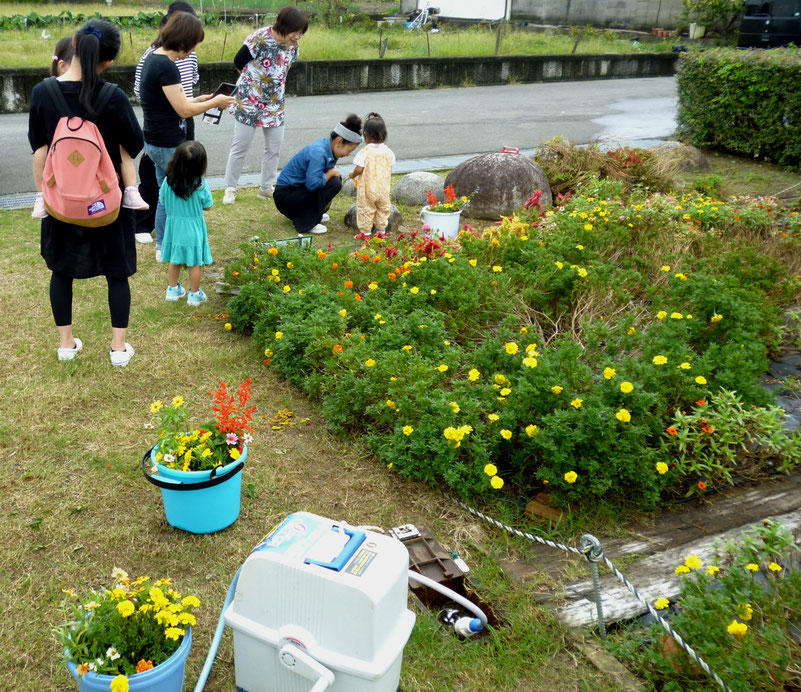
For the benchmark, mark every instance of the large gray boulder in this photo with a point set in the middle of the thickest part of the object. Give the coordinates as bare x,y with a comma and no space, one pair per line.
348,188
412,188
504,183
395,218
682,157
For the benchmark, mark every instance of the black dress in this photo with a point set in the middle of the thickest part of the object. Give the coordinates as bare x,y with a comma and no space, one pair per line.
75,251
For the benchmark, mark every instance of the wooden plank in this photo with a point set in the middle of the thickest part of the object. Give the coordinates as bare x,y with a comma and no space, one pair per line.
653,576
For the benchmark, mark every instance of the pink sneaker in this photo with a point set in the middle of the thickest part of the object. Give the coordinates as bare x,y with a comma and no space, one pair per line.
39,211
131,199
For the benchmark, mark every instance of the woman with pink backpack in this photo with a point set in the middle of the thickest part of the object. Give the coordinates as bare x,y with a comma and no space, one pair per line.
96,239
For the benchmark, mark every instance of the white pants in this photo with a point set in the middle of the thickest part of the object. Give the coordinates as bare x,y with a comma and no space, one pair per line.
243,137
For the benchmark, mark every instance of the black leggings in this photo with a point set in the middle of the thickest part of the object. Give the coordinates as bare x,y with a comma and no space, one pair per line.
303,206
119,300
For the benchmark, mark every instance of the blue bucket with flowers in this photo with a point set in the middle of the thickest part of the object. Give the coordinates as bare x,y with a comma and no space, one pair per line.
199,470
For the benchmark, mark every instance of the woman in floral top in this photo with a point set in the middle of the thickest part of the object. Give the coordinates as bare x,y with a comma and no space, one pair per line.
264,60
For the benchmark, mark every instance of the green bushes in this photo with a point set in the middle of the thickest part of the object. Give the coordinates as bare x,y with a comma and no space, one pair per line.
552,350
744,102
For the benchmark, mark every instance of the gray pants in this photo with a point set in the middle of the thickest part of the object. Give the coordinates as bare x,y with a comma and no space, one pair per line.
243,137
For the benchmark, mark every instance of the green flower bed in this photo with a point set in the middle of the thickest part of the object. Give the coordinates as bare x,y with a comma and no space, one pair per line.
551,351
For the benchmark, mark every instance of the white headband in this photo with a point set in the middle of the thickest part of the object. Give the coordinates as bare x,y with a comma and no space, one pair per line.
345,133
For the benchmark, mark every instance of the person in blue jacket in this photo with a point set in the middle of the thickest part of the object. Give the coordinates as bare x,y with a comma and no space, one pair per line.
311,179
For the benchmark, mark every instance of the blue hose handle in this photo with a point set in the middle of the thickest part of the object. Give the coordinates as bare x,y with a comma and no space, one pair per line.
355,540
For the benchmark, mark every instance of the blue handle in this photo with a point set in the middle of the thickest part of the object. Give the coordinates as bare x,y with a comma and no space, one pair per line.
355,540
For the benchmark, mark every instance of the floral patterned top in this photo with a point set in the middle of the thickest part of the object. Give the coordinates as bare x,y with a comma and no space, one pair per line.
260,87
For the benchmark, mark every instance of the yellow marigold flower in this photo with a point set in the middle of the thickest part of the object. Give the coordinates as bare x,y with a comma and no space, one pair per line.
506,391
496,482
442,368
623,416
506,434
273,251
391,404
455,407
343,313
472,262
774,567
532,430
665,267
682,569
372,285
700,379
716,318
473,375
369,362
493,417
661,315
407,430
390,465
661,603
738,629
287,289
531,349
571,477
524,330
156,406
234,453
682,277
126,608
117,594
500,379
693,561
631,331
119,684
177,401
407,347
559,265
659,360
576,403
279,335
556,389
661,468
491,469
497,269
414,290
511,348
626,387
712,570
582,273
446,343
173,633
685,366
745,611
530,362
609,373
268,353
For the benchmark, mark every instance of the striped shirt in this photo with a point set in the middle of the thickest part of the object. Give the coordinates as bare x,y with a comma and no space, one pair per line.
187,68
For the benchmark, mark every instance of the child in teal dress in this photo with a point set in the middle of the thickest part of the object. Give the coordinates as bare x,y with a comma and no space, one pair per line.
185,194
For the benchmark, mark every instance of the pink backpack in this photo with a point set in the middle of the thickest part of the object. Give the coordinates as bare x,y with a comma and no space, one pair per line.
80,185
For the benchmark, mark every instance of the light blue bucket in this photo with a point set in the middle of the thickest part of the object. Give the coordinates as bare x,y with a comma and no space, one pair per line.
199,501
165,677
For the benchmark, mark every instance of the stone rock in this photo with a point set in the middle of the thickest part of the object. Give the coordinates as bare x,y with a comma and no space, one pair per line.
685,157
395,218
537,509
504,183
412,188
348,188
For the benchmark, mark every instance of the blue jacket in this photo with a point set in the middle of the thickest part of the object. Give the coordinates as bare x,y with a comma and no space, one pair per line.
309,165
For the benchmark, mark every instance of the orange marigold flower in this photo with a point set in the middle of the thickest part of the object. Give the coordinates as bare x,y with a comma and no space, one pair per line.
334,266
376,258
337,348
235,272
701,485
706,428
144,665
348,284
322,254
392,276
671,431
700,402
266,361
357,297
273,251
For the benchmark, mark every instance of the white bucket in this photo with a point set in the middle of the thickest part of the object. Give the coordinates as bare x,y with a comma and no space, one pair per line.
696,30
442,223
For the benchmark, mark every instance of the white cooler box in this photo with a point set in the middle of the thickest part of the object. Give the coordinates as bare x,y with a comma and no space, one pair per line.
321,606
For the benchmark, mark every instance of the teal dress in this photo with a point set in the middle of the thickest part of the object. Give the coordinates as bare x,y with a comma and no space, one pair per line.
186,239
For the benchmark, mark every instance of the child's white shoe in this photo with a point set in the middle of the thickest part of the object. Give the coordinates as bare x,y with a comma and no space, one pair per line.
196,297
131,199
39,211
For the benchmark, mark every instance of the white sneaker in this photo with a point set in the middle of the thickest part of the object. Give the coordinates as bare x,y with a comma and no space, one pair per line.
70,353
119,359
143,238
326,218
131,199
39,211
265,193
230,195
158,254
319,229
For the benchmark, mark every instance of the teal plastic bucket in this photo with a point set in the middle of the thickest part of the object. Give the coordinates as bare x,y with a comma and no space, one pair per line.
165,677
199,501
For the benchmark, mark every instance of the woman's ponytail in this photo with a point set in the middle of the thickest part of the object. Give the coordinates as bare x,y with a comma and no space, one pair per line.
96,41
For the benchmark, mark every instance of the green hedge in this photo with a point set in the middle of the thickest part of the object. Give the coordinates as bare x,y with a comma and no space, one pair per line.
745,102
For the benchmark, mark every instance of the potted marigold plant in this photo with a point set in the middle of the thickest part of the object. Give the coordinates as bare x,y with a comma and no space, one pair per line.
442,218
198,468
134,636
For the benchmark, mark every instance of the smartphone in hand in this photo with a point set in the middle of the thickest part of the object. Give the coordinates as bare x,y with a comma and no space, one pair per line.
213,115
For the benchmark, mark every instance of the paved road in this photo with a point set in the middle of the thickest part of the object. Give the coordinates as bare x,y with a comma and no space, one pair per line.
430,123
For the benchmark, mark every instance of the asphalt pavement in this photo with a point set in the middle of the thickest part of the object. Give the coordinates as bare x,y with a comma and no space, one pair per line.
427,128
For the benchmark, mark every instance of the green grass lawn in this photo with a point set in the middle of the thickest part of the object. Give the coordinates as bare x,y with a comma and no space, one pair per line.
75,504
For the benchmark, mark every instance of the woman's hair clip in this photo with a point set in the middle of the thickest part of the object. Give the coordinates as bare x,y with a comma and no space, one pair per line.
91,31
